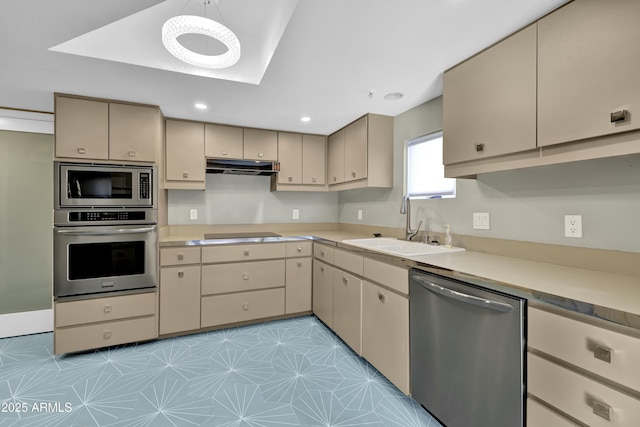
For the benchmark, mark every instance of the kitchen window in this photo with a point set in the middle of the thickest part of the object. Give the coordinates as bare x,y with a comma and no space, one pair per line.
425,171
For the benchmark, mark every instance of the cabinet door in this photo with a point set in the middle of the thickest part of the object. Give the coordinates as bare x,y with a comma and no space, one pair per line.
132,132
290,158
336,158
260,144
223,141
314,159
179,299
347,309
185,151
323,292
355,150
385,333
298,289
489,104
588,68
81,128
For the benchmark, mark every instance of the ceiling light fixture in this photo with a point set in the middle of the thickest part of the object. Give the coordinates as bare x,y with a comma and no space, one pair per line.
200,106
190,24
305,119
393,96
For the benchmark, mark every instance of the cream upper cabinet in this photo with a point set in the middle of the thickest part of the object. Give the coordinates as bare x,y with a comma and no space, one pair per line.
260,144
290,158
336,157
223,141
96,129
588,68
132,132
355,150
314,159
489,103
184,154
81,128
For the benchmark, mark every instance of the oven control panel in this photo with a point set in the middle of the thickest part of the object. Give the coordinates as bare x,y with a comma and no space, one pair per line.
123,216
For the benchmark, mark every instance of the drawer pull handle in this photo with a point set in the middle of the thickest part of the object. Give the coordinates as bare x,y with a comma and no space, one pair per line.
602,410
107,309
322,253
185,175
602,353
479,148
246,252
82,150
335,179
353,174
290,179
345,280
106,335
224,153
619,116
322,269
299,263
180,257
245,306
181,274
132,153
245,276
313,179
260,155
298,249
381,297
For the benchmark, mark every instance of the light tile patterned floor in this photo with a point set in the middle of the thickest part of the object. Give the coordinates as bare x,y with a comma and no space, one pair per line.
284,373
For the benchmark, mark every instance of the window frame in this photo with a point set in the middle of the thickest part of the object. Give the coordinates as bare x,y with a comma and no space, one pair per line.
448,194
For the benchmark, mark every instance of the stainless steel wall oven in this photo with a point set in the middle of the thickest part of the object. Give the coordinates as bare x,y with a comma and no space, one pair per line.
105,232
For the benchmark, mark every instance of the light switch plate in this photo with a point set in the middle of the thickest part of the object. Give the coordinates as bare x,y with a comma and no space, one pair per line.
193,214
481,221
359,214
296,214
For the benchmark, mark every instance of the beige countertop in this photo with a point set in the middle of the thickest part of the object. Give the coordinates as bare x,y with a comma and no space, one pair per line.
614,297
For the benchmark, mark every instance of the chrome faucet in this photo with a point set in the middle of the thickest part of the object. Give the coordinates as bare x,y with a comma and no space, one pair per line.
405,208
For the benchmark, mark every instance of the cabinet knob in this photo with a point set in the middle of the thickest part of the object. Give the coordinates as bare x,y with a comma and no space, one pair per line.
322,269
180,257
345,280
82,150
132,153
245,306
353,174
260,155
299,263
224,153
245,276
185,175
619,116
335,178
313,179
381,297
181,274
290,179
298,249
107,308
106,335
601,409
246,252
479,148
602,353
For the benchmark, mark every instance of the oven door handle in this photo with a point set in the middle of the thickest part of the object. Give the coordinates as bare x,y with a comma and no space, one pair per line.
104,232
470,299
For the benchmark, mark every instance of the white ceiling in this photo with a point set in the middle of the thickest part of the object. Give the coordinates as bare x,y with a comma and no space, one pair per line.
331,54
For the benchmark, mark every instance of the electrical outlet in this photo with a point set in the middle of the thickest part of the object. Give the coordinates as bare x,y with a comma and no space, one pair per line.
481,221
193,214
296,214
359,214
573,226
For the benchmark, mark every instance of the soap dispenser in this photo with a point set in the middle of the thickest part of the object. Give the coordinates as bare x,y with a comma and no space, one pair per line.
447,236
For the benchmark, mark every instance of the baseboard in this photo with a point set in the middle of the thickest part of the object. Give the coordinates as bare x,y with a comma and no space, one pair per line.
29,322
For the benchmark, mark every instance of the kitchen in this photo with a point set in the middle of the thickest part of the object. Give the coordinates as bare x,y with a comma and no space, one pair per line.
538,197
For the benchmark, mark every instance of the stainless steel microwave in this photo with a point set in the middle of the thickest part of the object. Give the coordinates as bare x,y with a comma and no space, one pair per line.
98,185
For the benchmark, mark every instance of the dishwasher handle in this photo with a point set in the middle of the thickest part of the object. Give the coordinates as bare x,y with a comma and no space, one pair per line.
469,299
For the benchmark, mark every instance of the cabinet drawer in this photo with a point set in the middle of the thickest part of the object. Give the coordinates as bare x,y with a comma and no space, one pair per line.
539,415
244,276
348,261
105,334
324,252
104,309
179,256
580,396
396,278
298,249
231,308
578,343
228,253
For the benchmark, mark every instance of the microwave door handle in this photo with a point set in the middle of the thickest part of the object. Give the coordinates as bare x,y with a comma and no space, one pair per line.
470,299
103,232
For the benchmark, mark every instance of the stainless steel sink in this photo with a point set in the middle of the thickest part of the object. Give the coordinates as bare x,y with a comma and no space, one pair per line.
397,247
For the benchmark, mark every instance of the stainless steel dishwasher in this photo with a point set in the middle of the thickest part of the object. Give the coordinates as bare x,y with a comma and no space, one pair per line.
467,352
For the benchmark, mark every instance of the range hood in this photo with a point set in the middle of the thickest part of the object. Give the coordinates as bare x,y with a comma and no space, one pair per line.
242,167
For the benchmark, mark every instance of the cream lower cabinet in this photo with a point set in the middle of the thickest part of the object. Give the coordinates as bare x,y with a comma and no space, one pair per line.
179,289
323,291
102,322
298,277
347,308
582,370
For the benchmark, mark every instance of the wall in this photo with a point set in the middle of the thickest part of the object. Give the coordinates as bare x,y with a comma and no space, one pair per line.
237,199
525,205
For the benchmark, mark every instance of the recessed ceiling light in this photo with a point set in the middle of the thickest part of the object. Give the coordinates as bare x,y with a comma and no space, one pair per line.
200,106
305,119
393,96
